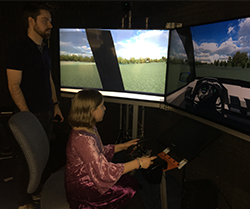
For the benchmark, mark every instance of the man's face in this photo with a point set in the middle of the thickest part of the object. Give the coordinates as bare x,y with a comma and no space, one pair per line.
43,24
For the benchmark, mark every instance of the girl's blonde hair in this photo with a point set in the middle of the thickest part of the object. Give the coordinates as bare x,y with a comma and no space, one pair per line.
80,112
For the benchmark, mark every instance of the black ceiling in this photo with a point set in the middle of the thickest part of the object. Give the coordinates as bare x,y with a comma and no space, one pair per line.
109,14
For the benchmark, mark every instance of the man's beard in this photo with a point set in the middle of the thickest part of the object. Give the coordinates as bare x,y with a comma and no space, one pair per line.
43,34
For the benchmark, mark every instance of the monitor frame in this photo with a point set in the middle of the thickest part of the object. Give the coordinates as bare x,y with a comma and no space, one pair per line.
241,85
118,93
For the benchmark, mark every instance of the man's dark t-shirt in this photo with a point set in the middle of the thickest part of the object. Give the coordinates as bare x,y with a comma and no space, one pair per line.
35,66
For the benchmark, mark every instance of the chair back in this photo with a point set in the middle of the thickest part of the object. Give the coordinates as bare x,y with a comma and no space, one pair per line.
34,143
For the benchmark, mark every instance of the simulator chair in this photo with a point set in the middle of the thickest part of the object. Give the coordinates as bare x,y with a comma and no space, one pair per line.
34,143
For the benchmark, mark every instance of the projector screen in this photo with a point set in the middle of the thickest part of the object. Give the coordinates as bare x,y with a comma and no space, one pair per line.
209,72
122,63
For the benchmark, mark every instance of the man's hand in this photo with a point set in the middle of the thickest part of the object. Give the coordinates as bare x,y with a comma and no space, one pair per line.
58,113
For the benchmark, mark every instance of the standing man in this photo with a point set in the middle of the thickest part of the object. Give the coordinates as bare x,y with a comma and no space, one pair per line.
29,69
31,85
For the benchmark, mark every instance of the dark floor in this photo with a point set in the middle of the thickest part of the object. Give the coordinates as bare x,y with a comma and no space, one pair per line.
8,194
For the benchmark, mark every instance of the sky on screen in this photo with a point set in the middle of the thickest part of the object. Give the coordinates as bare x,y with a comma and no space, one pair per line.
128,43
221,40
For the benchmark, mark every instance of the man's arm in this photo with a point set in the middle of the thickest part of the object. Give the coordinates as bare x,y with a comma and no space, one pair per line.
57,110
14,81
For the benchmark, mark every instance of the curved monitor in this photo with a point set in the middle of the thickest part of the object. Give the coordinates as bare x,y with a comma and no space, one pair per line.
209,72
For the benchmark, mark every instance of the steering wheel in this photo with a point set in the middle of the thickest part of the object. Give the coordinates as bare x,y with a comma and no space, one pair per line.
209,93
145,147
142,148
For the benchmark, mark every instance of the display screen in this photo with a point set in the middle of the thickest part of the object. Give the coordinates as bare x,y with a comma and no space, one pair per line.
209,72
125,63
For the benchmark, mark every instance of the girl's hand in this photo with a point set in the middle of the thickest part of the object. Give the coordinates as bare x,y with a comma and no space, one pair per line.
145,162
126,145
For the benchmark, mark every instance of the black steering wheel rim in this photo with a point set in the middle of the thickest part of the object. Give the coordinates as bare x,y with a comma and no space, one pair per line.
205,89
138,150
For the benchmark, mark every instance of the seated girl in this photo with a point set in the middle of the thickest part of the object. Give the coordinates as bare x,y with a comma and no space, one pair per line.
92,180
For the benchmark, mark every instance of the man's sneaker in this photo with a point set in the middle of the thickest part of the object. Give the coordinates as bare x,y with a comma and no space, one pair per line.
36,197
28,206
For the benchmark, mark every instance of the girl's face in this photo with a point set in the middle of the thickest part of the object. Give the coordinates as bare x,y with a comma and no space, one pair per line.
98,113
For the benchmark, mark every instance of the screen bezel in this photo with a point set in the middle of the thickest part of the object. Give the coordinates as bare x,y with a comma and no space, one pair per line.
228,124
